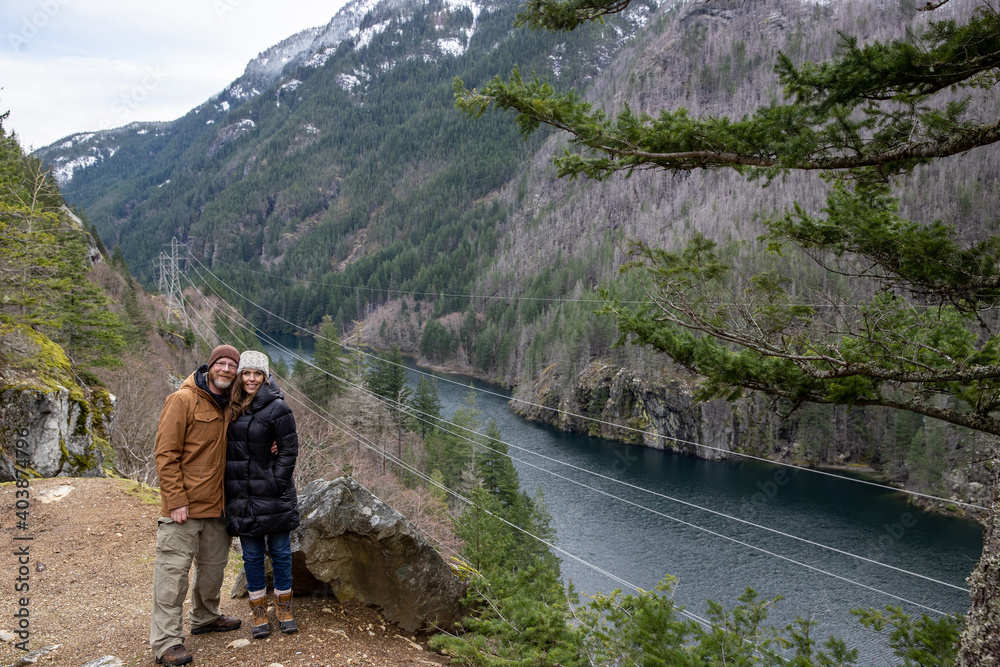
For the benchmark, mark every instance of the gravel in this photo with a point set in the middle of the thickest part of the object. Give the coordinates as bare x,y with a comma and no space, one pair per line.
90,571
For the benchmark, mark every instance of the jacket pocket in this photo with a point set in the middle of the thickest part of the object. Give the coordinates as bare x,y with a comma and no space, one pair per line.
203,484
209,416
276,484
205,432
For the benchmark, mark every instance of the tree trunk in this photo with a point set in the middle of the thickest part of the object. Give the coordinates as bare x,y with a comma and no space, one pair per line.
980,643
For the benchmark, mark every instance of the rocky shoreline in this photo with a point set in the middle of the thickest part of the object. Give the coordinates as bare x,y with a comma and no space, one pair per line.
660,411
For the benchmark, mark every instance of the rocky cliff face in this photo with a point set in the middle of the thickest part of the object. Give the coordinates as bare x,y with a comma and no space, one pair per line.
658,412
657,409
50,423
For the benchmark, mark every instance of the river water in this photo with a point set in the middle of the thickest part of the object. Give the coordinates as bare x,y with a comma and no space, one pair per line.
642,546
643,537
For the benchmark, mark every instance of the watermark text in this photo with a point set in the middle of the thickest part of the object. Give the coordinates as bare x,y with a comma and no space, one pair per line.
35,22
22,542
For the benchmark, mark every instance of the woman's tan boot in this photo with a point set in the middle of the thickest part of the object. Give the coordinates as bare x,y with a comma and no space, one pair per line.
283,606
258,610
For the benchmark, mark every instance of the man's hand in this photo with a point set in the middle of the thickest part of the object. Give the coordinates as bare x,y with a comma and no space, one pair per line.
274,447
179,515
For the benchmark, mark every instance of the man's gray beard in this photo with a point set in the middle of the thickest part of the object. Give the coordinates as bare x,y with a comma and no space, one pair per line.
221,384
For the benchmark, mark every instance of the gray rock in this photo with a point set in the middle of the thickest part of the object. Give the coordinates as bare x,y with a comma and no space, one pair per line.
355,547
59,433
36,655
48,420
104,661
656,411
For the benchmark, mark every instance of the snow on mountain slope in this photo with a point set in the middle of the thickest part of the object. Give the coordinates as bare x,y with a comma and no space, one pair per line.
359,22
265,69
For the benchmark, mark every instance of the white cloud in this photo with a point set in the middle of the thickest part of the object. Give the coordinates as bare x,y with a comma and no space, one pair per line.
71,65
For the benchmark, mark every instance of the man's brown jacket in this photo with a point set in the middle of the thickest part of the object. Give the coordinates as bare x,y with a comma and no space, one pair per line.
191,452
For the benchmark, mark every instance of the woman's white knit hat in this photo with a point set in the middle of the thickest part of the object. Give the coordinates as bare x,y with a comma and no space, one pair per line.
253,360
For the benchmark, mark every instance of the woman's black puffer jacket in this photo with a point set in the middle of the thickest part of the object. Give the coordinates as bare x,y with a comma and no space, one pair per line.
260,489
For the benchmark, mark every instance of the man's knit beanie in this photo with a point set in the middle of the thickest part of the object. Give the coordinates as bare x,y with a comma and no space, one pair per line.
227,351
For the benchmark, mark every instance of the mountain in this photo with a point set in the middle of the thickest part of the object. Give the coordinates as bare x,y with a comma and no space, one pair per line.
349,163
335,177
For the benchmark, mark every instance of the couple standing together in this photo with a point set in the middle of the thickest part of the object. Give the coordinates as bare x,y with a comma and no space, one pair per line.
226,427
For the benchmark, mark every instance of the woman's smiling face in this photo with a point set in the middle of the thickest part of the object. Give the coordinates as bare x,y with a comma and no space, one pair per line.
252,380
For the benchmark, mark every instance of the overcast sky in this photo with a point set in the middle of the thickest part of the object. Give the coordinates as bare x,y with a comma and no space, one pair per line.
73,65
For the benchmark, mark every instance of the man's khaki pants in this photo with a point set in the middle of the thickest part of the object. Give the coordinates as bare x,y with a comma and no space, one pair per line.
203,542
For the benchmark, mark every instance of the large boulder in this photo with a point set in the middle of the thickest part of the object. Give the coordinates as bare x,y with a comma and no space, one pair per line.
353,545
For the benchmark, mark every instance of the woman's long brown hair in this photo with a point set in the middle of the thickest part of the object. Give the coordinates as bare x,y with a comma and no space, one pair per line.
239,399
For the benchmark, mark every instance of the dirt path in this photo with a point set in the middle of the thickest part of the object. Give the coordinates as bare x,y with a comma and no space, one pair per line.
90,574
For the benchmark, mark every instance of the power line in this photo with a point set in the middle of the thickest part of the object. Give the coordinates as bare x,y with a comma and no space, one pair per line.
411,410
483,297
469,501
621,427
599,491
363,441
388,402
288,384
688,524
455,494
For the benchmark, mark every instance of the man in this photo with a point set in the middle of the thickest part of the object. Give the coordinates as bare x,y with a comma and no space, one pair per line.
191,462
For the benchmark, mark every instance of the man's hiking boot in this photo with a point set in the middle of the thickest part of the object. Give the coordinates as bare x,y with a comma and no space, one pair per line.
175,655
221,624
261,626
283,606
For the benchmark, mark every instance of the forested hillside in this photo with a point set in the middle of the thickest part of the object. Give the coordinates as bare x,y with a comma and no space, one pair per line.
355,174
70,315
46,254
718,58
350,187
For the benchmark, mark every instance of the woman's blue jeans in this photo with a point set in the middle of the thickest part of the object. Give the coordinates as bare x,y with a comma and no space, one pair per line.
279,545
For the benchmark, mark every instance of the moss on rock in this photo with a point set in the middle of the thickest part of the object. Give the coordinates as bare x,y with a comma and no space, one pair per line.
66,424
103,406
106,453
33,361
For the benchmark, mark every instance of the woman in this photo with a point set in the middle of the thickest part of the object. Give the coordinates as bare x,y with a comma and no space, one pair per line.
261,503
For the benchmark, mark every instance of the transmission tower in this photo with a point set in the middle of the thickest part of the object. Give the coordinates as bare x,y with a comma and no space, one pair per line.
170,280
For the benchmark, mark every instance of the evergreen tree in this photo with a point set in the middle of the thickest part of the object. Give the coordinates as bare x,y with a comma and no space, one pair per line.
426,404
117,258
387,378
909,333
540,521
437,342
324,379
87,329
498,477
447,455
300,369
497,472
280,368
44,264
489,542
136,324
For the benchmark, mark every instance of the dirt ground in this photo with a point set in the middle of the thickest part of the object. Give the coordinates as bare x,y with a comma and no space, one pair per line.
90,577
